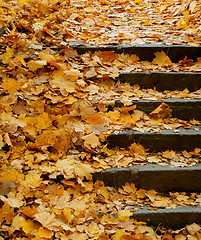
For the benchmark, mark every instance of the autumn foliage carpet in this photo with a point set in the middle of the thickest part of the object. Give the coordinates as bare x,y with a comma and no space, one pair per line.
55,116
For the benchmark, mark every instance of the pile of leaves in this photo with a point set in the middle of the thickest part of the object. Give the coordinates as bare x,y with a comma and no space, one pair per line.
55,117
57,23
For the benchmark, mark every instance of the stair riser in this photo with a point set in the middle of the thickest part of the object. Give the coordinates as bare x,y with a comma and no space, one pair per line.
171,218
145,51
164,140
181,108
150,176
163,80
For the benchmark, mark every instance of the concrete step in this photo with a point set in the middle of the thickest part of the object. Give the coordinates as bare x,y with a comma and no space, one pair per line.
181,139
163,80
170,218
154,176
181,108
144,51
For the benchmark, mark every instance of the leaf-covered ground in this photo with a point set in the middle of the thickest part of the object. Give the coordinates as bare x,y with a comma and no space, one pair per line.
54,116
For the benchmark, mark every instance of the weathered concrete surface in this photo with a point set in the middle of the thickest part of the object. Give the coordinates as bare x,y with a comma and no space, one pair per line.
184,139
144,51
181,108
171,218
163,80
153,176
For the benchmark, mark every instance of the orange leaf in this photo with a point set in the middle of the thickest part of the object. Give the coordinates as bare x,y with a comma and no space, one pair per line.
161,111
137,149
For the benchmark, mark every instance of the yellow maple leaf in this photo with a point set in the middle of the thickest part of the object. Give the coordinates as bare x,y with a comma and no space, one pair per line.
47,220
91,141
8,55
70,100
93,229
83,170
161,59
29,226
138,1
34,65
183,23
118,235
68,214
14,200
21,59
11,85
43,233
11,175
1,142
124,215
163,202
32,181
43,121
72,74
193,228
16,223
127,58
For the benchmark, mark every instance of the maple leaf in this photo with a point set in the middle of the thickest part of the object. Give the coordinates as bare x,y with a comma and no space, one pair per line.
29,211
34,65
183,23
91,141
95,118
32,181
11,85
47,220
14,200
128,237
16,223
43,121
92,229
29,226
128,225
43,233
193,228
108,220
108,56
124,215
161,59
161,111
161,203
72,74
8,55
90,73
68,213
84,170
137,149
118,235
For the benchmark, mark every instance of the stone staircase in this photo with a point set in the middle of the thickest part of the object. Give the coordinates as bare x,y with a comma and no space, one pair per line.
153,176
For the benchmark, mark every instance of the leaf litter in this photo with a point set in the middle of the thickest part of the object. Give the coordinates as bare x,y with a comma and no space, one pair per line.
55,119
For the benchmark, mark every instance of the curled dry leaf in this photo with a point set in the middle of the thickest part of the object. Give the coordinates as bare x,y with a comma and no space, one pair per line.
161,111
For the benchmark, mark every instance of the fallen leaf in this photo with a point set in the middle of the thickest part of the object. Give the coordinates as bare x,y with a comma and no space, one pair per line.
161,59
161,111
